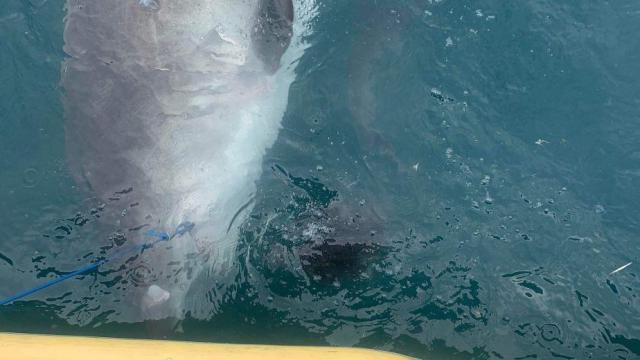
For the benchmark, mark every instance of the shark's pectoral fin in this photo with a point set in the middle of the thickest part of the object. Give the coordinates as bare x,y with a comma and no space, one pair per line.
273,31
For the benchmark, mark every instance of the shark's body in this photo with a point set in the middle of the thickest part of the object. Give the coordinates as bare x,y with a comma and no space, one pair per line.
174,102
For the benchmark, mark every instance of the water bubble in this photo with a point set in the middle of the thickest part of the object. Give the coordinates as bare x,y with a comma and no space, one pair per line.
30,178
141,275
550,332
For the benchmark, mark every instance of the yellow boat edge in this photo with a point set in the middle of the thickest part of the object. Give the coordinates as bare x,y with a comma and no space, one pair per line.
35,347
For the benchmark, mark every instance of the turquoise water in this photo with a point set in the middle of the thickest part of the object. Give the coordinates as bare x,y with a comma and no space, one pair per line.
453,179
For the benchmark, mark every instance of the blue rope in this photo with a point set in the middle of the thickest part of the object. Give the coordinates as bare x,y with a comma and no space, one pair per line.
160,235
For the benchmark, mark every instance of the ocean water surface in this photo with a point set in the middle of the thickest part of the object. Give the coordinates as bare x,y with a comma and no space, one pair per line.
452,180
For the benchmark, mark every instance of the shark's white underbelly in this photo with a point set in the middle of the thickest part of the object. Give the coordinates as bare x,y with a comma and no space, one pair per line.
174,103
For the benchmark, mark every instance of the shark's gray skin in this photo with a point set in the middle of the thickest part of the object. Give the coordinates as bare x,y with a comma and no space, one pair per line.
173,103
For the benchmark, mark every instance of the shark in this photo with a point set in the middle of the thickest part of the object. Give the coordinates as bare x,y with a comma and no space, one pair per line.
170,107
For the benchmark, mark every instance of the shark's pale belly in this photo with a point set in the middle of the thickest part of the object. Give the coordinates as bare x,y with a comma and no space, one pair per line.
171,106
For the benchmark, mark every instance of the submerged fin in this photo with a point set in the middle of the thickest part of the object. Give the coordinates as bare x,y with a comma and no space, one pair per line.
273,31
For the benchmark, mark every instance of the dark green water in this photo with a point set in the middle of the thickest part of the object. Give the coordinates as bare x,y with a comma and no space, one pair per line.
476,163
